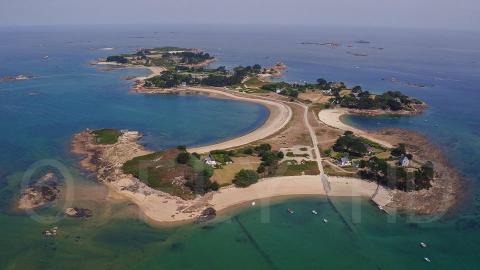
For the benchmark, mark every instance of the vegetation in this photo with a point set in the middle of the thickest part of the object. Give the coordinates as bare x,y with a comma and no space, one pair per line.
106,136
395,176
390,100
174,171
351,144
117,59
245,178
292,168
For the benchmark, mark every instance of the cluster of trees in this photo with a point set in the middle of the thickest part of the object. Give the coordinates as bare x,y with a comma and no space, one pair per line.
401,150
396,177
245,178
191,58
335,87
293,89
359,99
238,75
269,159
199,180
117,59
351,144
169,79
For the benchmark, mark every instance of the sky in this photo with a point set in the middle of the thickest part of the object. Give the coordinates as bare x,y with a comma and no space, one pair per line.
438,14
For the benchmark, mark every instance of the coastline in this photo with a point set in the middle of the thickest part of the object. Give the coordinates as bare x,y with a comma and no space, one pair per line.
438,199
164,209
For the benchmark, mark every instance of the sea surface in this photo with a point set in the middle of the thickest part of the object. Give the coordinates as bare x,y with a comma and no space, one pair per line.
38,118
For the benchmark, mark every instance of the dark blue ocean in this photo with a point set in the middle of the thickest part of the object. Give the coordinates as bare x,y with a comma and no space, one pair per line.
38,118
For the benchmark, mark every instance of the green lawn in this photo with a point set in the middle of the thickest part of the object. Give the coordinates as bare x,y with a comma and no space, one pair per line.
306,168
106,135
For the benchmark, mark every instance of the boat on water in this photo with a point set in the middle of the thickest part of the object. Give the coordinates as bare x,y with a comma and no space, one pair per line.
325,220
423,245
314,212
427,259
45,57
253,203
290,211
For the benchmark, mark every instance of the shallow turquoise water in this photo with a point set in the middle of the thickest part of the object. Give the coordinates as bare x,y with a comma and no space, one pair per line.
70,96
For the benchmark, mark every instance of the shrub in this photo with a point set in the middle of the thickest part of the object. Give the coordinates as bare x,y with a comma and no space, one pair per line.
183,158
245,178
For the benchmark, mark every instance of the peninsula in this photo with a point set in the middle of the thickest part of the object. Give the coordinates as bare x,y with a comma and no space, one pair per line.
302,149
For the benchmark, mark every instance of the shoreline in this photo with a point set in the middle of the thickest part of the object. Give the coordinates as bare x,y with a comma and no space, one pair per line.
333,118
441,197
279,115
162,208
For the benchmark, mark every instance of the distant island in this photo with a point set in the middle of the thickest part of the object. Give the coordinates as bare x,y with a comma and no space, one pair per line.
302,149
20,77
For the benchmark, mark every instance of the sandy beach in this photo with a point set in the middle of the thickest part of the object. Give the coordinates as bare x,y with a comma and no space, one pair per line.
163,208
332,118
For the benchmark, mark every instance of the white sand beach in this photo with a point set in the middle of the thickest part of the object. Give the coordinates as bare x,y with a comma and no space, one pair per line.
332,118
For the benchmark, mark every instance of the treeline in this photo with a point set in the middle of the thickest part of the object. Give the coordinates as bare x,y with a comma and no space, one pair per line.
117,59
192,58
351,144
395,176
390,100
219,77
294,89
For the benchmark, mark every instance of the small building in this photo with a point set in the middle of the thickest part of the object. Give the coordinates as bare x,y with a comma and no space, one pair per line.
210,161
344,161
184,84
327,92
404,161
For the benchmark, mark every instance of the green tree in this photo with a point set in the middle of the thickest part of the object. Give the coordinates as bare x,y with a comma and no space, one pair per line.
183,158
245,178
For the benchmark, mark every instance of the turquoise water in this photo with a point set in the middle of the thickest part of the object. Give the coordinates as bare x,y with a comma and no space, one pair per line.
38,118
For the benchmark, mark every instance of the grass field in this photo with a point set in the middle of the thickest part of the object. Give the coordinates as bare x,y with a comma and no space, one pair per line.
225,175
106,135
291,168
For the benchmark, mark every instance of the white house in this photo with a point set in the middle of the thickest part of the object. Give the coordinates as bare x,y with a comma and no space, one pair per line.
210,161
344,161
404,161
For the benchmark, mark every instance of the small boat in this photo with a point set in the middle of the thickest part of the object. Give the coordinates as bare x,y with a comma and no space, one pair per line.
381,208
314,212
423,245
427,259
325,220
290,211
253,203
45,57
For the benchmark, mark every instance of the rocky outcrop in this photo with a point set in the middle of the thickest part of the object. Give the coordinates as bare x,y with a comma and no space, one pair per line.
78,212
43,191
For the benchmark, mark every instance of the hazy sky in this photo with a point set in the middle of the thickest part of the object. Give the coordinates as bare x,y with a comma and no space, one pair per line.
443,14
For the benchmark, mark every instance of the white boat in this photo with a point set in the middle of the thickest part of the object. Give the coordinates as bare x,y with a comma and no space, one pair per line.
314,212
290,211
325,220
253,203
427,259
422,244
45,57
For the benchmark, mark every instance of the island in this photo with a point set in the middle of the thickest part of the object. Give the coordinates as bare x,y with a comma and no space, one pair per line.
303,148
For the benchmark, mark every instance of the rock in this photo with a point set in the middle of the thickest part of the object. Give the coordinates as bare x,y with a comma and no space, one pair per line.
78,212
43,191
207,214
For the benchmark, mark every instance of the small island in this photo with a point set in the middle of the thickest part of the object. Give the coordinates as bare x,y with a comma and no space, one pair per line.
303,148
